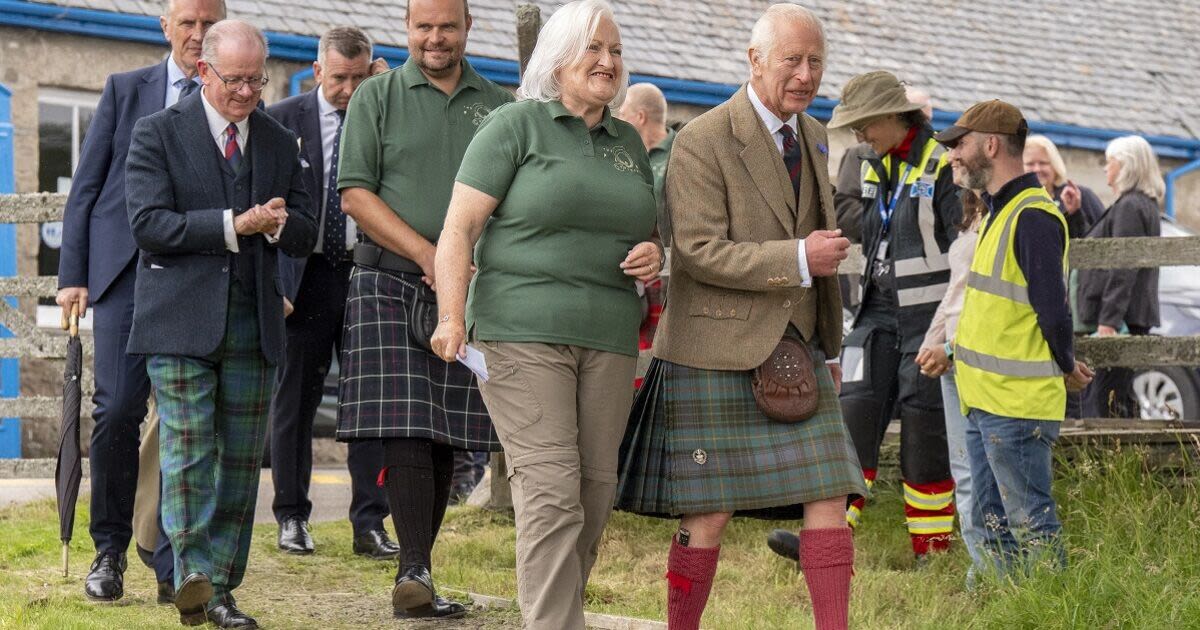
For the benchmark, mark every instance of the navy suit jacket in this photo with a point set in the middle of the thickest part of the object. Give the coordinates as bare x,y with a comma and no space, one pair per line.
302,115
176,209
97,244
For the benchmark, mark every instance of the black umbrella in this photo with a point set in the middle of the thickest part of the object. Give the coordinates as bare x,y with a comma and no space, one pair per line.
68,472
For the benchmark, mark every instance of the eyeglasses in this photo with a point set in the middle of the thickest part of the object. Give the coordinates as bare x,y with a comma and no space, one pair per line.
861,126
256,84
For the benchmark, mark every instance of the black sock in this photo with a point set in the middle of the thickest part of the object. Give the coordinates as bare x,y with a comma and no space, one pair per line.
411,497
443,477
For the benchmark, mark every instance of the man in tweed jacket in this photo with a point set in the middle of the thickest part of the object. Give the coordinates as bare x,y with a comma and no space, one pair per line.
214,189
755,257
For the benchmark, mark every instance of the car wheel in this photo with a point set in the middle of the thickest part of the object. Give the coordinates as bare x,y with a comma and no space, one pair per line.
1167,393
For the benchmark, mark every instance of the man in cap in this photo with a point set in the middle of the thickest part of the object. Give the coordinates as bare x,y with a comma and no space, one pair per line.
910,216
1013,352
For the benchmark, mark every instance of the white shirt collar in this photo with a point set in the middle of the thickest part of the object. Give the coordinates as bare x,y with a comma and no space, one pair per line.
218,123
773,123
324,107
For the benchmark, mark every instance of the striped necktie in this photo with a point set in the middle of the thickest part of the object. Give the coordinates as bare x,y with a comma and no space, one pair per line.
791,157
233,153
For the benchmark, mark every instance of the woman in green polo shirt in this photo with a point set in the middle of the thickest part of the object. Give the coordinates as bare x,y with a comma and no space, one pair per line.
559,196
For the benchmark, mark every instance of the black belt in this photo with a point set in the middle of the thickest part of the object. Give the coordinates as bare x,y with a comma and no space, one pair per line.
372,255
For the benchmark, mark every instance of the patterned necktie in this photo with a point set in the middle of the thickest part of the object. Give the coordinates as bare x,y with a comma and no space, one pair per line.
186,87
233,153
791,157
334,245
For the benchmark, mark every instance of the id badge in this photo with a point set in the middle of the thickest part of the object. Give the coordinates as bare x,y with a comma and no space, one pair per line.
882,251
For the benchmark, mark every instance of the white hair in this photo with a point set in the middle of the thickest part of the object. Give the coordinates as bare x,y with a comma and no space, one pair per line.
1139,166
762,36
562,42
231,29
1056,160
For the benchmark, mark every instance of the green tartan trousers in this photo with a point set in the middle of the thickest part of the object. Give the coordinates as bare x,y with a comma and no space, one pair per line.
212,428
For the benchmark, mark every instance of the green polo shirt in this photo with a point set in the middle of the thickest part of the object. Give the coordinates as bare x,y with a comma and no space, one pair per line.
573,202
403,140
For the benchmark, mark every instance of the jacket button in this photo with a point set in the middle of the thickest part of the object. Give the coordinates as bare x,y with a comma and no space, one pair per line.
783,279
719,313
705,311
733,312
787,304
224,269
699,456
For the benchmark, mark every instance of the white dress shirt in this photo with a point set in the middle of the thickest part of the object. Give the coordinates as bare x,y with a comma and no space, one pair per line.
174,74
327,114
774,125
217,124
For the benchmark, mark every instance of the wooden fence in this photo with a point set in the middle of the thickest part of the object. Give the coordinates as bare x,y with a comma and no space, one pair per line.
1117,253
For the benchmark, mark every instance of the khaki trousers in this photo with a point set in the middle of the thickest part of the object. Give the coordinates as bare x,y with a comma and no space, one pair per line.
560,412
145,501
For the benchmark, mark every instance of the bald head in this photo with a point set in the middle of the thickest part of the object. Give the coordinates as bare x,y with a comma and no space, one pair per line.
917,96
646,97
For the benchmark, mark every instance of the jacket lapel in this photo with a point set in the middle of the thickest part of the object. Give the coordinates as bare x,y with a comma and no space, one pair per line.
818,159
762,159
314,147
192,130
152,92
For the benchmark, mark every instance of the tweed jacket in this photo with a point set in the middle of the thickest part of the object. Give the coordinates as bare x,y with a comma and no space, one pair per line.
735,274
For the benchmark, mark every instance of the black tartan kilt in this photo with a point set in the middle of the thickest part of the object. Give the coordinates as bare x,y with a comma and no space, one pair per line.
391,388
697,443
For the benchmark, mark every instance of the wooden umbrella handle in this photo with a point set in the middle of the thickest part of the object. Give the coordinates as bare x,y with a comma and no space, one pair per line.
74,325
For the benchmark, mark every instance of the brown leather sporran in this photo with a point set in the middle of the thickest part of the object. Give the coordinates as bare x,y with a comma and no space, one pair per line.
785,385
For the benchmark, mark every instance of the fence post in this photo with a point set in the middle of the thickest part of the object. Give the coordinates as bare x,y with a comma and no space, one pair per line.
10,384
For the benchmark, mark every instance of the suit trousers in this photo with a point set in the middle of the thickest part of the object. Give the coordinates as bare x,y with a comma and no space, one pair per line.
213,422
314,331
122,389
560,412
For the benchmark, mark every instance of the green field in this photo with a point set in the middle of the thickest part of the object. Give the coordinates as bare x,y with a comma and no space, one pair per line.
1132,534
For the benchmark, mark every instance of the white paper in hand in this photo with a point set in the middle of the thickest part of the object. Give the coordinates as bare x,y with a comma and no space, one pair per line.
475,363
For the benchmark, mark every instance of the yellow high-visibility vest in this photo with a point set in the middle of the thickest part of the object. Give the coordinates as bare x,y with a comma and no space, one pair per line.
1003,364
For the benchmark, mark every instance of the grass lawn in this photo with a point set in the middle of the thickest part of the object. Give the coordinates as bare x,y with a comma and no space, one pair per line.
1132,537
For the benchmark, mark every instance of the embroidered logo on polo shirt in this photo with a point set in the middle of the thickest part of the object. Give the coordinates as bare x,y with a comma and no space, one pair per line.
621,159
477,112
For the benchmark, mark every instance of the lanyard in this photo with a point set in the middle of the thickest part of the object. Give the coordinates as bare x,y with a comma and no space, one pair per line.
885,212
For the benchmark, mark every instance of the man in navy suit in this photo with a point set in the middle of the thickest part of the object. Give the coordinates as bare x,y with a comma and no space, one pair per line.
97,267
316,286
215,189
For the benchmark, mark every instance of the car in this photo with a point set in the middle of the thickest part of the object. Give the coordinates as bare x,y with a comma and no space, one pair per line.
1173,392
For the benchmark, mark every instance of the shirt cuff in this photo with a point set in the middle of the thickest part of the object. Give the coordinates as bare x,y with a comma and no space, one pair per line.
230,234
837,360
274,237
805,277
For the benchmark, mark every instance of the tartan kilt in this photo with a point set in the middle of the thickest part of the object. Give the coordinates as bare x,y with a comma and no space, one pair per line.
697,443
389,387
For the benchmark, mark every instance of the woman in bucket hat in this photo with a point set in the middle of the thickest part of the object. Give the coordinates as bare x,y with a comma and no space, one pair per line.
911,210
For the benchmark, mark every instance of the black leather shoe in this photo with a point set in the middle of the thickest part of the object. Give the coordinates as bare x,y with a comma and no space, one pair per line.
294,537
413,591
784,543
376,545
228,616
166,592
190,598
441,608
106,580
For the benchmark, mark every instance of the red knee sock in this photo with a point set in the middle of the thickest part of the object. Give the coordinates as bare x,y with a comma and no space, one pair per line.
690,573
827,560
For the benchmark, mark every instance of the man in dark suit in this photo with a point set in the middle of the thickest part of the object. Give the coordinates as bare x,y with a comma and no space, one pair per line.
215,188
97,267
317,287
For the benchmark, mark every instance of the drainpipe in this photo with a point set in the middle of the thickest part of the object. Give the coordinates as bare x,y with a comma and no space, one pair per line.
1170,181
298,79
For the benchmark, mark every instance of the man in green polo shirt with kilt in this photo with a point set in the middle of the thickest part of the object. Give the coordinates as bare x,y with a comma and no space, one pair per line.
403,139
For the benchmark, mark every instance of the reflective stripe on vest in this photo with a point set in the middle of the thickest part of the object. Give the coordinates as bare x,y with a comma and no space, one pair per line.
1003,363
926,220
922,295
918,266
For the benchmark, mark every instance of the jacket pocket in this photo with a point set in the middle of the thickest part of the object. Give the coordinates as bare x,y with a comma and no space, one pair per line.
721,306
